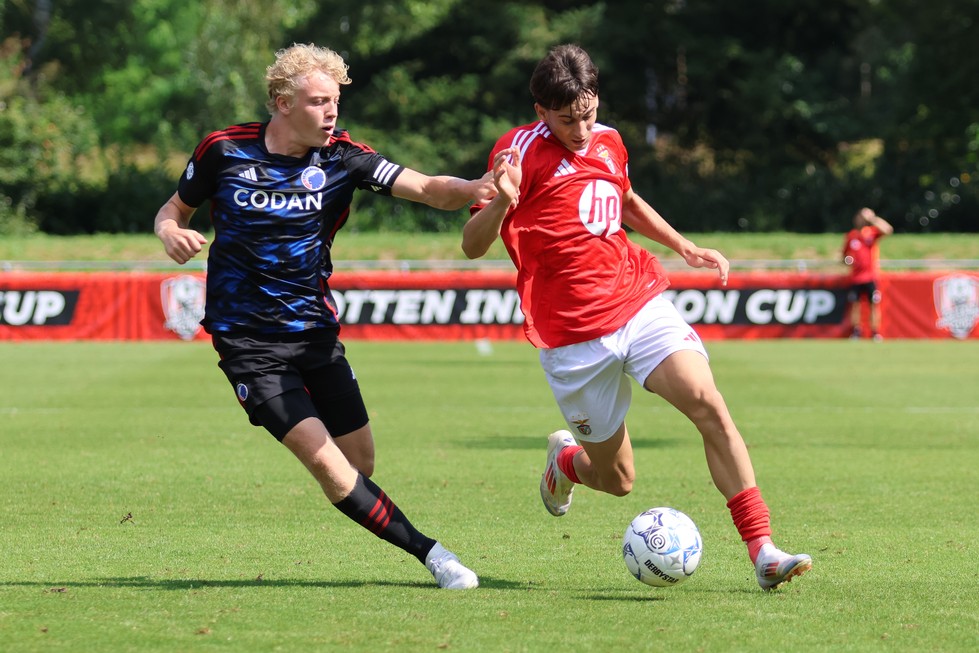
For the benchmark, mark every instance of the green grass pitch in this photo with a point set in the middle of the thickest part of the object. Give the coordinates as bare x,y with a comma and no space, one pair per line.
141,512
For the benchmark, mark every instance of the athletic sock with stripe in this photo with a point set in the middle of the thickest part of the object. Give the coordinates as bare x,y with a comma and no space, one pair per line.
369,506
750,514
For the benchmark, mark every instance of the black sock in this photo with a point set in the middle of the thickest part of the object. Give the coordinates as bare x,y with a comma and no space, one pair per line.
371,508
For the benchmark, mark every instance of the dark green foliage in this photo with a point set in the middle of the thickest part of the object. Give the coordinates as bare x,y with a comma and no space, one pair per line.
120,205
753,116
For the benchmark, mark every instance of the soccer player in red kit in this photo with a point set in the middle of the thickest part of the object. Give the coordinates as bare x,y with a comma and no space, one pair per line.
861,253
594,307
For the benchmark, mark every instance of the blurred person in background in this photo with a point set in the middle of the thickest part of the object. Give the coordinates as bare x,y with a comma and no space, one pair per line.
861,254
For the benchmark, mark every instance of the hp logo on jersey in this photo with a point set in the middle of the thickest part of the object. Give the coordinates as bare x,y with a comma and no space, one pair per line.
600,208
314,178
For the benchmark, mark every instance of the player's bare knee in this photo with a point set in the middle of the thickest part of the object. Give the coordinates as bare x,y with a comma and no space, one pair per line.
621,489
619,483
364,465
358,451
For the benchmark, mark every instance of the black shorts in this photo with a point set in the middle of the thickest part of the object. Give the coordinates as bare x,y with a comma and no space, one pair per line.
261,367
868,290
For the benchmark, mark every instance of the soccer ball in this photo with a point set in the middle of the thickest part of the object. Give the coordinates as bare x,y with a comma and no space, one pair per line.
662,547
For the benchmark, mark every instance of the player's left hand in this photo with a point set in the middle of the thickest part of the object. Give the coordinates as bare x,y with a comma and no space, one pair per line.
508,174
699,257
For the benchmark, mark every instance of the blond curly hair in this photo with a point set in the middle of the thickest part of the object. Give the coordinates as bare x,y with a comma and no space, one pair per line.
294,63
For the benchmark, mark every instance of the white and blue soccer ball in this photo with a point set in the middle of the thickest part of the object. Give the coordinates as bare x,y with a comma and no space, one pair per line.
662,547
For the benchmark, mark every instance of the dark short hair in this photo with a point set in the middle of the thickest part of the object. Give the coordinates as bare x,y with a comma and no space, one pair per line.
563,77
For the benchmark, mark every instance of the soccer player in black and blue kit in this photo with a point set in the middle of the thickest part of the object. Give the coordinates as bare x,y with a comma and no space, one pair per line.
279,192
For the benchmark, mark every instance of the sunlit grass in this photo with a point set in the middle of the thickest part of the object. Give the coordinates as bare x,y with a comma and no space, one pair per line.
141,512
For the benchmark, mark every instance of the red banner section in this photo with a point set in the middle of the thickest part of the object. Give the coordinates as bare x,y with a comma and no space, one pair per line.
934,305
101,306
472,305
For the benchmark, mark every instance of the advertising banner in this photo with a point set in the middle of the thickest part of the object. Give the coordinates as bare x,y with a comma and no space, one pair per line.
101,306
469,305
930,305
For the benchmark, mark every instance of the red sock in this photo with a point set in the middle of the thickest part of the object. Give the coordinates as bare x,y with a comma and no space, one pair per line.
565,462
751,518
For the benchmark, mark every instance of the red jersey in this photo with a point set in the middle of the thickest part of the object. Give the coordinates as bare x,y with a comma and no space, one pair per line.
861,246
578,275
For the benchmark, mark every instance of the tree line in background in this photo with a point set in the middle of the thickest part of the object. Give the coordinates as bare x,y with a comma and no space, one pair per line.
762,115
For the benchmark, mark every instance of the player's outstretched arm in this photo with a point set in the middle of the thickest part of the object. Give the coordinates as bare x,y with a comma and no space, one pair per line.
442,191
639,215
171,227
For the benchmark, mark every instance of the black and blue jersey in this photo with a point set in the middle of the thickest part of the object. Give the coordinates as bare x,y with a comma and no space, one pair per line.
274,219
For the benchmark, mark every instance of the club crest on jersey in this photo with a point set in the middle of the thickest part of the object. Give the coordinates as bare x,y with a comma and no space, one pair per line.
957,304
314,178
606,156
190,170
183,305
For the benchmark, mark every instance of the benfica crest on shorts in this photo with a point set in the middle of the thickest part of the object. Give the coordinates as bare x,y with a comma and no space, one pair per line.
183,305
583,426
957,304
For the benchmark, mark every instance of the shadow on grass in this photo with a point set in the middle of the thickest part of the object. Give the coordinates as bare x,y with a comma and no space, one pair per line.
183,584
666,594
625,598
528,443
455,363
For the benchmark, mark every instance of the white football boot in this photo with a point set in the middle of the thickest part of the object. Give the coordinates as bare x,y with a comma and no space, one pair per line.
449,573
555,487
774,567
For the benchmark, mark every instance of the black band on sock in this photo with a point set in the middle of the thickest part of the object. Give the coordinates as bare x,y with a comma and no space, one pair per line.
369,506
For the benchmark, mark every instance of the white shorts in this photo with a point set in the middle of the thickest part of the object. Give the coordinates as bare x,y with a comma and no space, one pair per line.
589,379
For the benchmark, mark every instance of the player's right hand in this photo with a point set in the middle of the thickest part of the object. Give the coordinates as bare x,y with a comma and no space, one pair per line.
182,244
